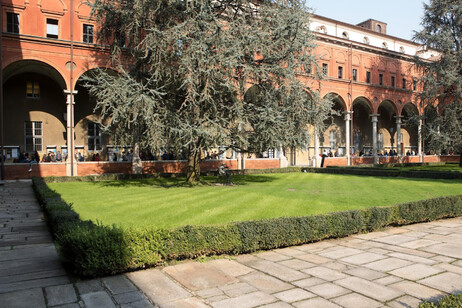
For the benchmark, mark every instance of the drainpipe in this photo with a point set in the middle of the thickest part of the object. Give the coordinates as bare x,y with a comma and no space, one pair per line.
1,101
70,151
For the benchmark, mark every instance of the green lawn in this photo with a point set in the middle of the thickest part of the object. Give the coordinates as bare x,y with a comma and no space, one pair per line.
169,202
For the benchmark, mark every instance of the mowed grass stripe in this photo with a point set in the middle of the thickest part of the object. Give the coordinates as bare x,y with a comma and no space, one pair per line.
169,203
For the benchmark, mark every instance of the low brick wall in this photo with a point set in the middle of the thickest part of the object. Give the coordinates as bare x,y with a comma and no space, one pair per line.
21,171
335,161
102,167
431,159
262,163
450,158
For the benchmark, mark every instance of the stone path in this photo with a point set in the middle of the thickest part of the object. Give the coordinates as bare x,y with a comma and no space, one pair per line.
31,274
396,267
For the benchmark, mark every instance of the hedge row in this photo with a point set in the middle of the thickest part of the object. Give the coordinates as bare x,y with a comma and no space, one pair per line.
450,301
95,250
386,172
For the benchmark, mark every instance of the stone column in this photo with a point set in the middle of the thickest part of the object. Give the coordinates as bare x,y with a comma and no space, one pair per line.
283,163
375,120
420,140
71,166
316,148
347,136
398,135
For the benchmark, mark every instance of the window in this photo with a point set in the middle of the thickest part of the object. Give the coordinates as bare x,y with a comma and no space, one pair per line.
404,83
94,137
12,22
384,45
52,28
381,79
345,35
32,89
393,79
414,85
355,74
332,139
33,133
379,28
366,40
380,141
325,69
368,77
402,50
340,72
88,34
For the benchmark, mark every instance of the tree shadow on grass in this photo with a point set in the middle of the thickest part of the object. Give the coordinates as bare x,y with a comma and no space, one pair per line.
176,182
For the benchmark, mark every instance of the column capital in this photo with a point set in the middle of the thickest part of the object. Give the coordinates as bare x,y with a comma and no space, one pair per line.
348,115
398,119
68,92
374,117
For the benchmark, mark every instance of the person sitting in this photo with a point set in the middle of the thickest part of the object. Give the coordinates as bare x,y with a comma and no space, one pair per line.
59,157
23,158
97,157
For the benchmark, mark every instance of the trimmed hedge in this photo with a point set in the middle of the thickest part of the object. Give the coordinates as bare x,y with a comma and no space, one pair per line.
450,301
386,172
95,250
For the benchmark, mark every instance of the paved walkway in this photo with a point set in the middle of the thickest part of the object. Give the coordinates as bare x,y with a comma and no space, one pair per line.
397,267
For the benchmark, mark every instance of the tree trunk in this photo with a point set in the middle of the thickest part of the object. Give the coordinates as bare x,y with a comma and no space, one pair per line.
460,159
194,169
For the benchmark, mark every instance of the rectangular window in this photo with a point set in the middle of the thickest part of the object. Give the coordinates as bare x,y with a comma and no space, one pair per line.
52,28
355,74
32,89
393,79
414,85
12,22
333,139
325,69
404,83
340,72
88,34
368,77
94,137
33,133
381,79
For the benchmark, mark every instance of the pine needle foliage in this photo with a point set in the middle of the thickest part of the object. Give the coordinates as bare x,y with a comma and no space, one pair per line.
190,67
442,75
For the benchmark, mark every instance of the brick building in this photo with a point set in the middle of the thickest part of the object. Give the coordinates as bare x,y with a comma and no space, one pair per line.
47,46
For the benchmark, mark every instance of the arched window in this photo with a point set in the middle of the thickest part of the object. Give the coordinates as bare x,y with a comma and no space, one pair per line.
345,35
366,40
379,28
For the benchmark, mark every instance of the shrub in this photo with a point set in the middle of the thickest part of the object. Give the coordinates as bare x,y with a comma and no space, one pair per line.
96,250
450,301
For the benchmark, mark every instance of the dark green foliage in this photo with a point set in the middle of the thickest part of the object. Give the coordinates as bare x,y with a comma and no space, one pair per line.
441,94
193,63
96,250
450,301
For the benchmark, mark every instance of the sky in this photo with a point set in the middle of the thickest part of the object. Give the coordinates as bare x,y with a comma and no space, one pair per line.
403,17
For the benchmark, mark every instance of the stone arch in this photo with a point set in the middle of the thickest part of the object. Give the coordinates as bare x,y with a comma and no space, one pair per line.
35,65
